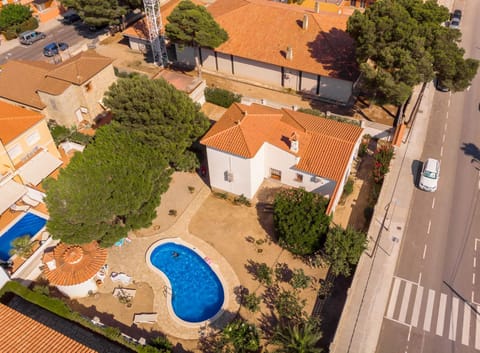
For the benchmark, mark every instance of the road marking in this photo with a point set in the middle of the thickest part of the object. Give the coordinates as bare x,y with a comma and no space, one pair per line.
419,278
424,252
477,329
406,298
441,153
452,335
474,262
466,324
429,225
416,306
441,314
473,278
428,313
443,139
445,127
408,337
433,203
393,298
447,117
449,100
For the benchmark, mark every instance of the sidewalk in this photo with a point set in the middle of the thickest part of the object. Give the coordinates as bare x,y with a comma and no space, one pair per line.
361,321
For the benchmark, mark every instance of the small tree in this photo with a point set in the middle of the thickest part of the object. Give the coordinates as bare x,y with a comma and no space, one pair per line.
22,246
13,15
252,302
242,336
300,220
298,338
97,13
300,279
343,249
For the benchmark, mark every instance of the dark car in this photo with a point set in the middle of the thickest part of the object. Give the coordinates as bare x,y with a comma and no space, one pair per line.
54,48
457,14
71,18
439,85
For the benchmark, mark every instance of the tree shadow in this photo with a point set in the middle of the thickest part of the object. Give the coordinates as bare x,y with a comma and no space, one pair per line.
416,170
240,293
283,273
268,322
470,149
264,206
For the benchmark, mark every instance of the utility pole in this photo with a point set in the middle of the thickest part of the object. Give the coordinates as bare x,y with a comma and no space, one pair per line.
155,32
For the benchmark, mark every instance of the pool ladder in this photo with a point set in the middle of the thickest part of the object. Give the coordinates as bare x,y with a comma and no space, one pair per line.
167,290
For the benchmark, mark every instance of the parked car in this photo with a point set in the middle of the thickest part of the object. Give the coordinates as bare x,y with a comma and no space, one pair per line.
30,37
54,48
455,23
71,18
430,174
439,85
457,14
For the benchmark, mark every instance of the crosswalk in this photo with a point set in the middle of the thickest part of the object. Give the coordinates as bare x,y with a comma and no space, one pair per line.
443,314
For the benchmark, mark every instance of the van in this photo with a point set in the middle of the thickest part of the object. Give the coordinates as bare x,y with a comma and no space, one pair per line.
30,37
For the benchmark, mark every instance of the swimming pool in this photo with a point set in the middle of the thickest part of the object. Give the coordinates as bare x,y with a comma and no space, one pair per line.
29,224
197,293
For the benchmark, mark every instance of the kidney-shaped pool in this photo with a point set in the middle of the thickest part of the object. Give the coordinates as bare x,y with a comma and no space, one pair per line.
197,293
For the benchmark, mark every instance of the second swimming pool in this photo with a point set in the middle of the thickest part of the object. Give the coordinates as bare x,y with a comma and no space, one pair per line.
197,293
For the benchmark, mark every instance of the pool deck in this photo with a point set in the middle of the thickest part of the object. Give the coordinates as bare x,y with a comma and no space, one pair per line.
140,269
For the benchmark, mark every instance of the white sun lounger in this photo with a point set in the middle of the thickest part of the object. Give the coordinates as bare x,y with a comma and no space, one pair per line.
121,277
29,201
150,318
124,292
19,208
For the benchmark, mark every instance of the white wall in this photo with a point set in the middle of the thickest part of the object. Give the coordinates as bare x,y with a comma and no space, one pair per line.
3,277
224,62
208,59
258,71
79,290
137,44
309,83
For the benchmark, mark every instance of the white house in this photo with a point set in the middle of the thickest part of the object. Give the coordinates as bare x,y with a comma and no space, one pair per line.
251,143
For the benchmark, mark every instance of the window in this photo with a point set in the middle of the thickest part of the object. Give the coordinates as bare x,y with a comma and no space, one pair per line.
353,2
33,138
363,3
88,87
15,151
275,174
299,177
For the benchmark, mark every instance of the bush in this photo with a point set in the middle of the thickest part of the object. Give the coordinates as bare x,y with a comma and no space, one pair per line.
252,302
383,155
241,200
221,97
61,134
188,162
13,15
363,148
348,188
264,274
300,279
28,25
9,34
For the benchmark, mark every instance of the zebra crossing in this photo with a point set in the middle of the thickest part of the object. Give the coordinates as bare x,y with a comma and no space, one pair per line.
442,314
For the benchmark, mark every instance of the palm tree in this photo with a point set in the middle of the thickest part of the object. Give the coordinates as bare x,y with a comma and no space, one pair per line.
298,338
22,247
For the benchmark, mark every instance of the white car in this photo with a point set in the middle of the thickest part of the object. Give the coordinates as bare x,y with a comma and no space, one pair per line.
430,174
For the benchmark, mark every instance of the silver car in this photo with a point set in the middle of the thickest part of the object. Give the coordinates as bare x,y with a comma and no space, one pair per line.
430,174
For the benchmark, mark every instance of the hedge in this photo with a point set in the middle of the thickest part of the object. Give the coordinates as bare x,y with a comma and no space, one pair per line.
221,97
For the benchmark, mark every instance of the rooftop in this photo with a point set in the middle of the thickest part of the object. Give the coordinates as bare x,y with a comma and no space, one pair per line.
14,121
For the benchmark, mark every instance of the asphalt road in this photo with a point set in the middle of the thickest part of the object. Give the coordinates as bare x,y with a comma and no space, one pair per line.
434,303
73,35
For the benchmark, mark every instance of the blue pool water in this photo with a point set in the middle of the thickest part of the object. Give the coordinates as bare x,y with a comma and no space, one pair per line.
197,293
29,224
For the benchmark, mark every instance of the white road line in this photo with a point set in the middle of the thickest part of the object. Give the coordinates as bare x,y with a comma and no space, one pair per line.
446,118
429,225
473,278
452,334
433,203
466,324
445,127
393,298
416,306
424,252
428,312
449,100
405,300
474,262
477,329
441,314
441,153
419,278
443,138
476,244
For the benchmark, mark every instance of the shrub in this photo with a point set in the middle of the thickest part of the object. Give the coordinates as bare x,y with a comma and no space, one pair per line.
363,148
61,134
191,189
241,200
252,302
221,97
383,155
172,213
264,274
188,162
13,15
348,188
28,25
41,289
300,279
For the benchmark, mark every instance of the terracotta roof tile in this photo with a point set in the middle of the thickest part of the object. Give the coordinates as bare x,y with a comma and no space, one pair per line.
69,265
14,121
23,334
262,30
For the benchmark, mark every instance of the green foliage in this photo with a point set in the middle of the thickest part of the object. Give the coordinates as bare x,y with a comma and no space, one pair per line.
343,249
383,155
264,274
348,188
121,179
330,116
363,148
242,200
401,43
242,336
188,162
13,15
22,246
302,337
42,289
61,134
193,25
300,220
159,344
300,279
252,302
97,13
221,97
289,307
157,112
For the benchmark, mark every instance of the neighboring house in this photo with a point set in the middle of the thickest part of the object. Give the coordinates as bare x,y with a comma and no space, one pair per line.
194,87
27,154
252,143
43,10
69,93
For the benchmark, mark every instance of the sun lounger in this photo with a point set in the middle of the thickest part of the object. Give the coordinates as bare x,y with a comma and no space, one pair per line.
29,201
124,292
150,318
21,208
121,277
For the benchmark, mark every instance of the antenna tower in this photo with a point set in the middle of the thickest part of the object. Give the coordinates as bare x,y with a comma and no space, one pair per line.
155,31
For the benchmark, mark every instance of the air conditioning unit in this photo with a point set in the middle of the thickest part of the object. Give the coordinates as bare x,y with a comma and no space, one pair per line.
230,177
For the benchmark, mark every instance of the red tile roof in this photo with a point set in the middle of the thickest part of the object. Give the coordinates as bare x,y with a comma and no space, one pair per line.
68,265
21,334
325,145
14,121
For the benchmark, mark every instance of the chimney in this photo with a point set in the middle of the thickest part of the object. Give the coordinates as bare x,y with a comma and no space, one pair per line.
294,143
305,22
317,6
289,53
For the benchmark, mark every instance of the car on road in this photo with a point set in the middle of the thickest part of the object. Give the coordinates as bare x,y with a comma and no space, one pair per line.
30,37
430,174
439,85
457,14
455,23
71,18
54,48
